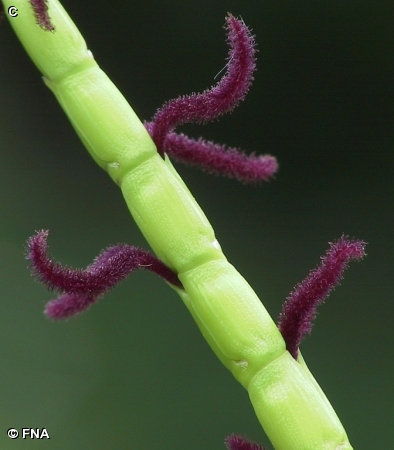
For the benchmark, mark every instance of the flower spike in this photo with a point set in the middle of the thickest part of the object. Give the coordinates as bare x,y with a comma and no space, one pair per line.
234,442
209,105
299,310
80,288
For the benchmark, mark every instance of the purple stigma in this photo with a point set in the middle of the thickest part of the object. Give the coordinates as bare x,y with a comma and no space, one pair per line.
299,310
218,159
2,13
234,442
81,287
40,9
208,105
219,99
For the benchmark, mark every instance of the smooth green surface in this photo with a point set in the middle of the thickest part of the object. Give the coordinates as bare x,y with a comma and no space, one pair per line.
280,244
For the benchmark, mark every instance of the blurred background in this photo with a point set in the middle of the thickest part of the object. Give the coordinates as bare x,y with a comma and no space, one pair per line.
134,372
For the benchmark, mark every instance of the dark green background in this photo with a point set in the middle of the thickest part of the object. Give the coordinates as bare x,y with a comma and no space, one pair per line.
134,372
